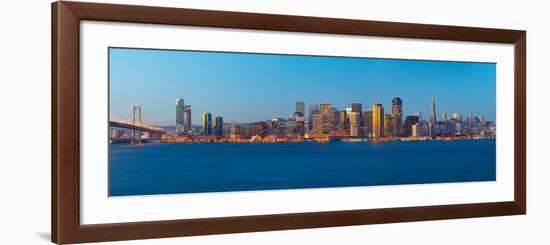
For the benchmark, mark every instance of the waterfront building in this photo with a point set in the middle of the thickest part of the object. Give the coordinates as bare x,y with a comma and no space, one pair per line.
378,120
409,122
367,122
433,118
317,125
335,118
357,107
218,126
180,108
186,118
276,126
313,110
326,112
258,129
389,125
421,129
397,116
233,131
300,108
245,130
344,121
207,123
354,123
295,128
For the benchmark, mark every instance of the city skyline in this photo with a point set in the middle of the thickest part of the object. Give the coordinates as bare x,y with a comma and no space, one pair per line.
257,101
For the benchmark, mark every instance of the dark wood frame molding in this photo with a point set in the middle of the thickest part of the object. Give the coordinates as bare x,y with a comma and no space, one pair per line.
66,17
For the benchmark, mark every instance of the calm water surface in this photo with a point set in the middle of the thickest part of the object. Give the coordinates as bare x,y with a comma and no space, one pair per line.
214,167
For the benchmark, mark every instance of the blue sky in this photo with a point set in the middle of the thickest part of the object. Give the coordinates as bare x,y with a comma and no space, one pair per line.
251,87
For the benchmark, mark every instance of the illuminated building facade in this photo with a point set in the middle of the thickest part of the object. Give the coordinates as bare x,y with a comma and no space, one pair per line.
207,123
378,120
180,108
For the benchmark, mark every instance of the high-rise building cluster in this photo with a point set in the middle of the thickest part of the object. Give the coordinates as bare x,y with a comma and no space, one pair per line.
326,121
183,117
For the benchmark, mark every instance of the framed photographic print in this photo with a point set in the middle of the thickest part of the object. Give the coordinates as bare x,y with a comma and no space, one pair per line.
176,122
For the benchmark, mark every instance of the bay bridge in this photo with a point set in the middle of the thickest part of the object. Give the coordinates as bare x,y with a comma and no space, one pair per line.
137,126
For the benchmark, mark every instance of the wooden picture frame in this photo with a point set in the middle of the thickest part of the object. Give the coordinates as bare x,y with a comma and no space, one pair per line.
65,174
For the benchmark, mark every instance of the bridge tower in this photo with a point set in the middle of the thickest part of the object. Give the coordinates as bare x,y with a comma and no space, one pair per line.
136,134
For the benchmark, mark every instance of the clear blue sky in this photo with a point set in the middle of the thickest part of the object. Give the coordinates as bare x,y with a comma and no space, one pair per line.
252,87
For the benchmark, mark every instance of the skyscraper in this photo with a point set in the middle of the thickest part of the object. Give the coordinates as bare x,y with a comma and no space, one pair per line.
388,125
357,107
187,118
378,120
344,122
300,107
367,122
180,107
207,123
313,110
397,116
335,117
409,122
433,118
317,124
218,126
326,112
354,123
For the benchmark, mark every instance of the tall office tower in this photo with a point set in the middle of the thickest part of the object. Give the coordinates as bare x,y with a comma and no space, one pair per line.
357,107
472,118
397,116
409,122
388,125
367,122
300,107
313,110
335,117
207,123
300,128
186,118
354,123
317,124
180,107
218,126
344,122
326,112
378,120
433,118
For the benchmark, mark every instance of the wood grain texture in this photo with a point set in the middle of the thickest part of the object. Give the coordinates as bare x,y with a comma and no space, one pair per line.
66,17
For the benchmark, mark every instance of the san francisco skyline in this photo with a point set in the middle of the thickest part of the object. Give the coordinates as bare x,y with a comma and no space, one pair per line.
254,87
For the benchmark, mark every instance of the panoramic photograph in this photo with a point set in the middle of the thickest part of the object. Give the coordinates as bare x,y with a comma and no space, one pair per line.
206,121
